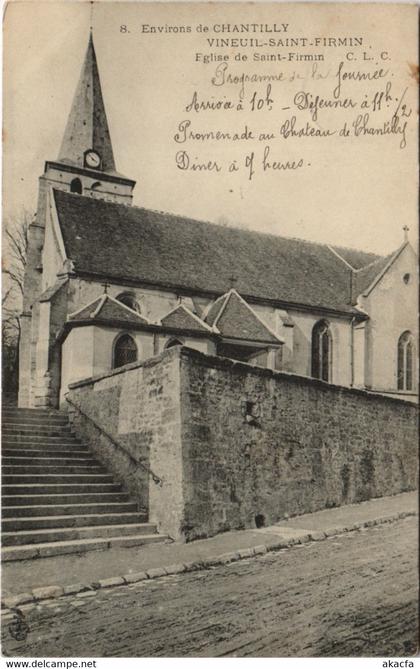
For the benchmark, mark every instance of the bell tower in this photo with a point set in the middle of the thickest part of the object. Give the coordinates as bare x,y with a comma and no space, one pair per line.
85,163
86,167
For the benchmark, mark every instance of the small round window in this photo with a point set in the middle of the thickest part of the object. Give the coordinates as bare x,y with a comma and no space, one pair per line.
406,278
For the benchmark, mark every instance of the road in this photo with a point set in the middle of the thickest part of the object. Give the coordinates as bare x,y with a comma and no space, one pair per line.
350,595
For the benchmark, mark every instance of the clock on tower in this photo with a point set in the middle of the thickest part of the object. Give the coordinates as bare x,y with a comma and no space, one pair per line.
92,159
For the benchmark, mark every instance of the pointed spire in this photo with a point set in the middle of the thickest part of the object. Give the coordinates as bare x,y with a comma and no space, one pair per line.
87,125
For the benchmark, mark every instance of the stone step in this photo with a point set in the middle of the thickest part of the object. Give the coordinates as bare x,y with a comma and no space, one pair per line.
36,454
10,479
58,523
17,460
13,417
48,450
41,410
35,423
33,413
66,470
38,430
55,422
52,501
31,439
40,509
57,498
73,534
22,490
13,553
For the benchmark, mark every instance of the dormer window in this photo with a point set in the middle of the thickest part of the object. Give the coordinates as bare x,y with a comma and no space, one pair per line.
129,299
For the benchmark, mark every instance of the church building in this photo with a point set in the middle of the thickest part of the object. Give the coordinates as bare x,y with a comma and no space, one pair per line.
108,283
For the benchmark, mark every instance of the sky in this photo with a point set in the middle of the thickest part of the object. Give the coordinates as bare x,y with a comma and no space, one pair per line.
357,194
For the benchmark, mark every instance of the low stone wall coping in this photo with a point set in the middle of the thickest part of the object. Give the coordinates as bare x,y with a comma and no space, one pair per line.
241,367
150,362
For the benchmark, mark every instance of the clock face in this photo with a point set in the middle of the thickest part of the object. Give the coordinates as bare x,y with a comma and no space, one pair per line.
92,159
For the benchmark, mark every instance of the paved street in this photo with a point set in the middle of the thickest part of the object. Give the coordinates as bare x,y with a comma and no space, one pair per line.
85,568
350,595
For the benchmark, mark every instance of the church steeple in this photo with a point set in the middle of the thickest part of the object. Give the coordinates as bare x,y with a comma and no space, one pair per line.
85,165
86,141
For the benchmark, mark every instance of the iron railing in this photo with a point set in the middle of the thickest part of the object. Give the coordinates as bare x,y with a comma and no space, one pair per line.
155,478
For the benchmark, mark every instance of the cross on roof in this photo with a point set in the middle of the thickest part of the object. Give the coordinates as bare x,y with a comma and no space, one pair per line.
106,285
232,279
406,229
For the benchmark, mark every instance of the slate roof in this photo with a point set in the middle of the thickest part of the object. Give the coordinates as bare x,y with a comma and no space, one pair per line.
235,319
87,125
117,241
214,310
105,308
355,258
365,276
183,319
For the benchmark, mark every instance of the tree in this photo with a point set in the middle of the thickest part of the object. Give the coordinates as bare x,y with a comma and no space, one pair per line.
15,246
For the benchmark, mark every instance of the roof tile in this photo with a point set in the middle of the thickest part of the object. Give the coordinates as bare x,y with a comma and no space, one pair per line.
118,241
105,308
182,319
235,319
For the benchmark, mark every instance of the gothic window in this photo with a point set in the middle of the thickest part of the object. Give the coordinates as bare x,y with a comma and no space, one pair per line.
76,186
173,342
321,351
129,300
125,351
405,361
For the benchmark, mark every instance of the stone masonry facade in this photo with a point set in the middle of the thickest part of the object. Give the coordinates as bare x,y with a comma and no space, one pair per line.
233,446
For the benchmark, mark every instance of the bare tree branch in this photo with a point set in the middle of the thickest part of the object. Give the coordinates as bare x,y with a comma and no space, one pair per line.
16,279
15,246
15,253
6,295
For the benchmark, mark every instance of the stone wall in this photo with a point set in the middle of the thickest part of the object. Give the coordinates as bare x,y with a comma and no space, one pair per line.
138,406
88,351
236,444
268,444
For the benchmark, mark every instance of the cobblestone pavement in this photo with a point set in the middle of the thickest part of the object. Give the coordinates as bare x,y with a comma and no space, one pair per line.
350,595
85,568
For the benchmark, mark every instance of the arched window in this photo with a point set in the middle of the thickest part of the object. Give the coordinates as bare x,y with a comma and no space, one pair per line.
173,342
76,186
321,351
129,299
405,361
125,351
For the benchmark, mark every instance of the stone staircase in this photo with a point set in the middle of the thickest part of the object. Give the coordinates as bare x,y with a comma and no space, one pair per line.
56,498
